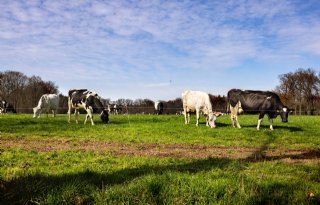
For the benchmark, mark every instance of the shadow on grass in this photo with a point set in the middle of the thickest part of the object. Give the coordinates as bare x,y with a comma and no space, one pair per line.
259,155
35,188
23,190
221,124
275,127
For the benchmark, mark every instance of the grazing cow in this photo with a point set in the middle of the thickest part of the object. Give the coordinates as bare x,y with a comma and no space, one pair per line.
197,101
260,102
90,101
46,103
116,109
3,106
158,106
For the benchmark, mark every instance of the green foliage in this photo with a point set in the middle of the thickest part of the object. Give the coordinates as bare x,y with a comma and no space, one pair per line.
78,176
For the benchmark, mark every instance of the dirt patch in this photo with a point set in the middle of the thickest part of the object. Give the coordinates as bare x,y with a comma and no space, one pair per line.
166,150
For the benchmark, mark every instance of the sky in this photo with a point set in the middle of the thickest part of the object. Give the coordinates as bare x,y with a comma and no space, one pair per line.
156,49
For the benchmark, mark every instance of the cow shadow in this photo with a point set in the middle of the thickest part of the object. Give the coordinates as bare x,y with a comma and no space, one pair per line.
221,124
290,128
275,127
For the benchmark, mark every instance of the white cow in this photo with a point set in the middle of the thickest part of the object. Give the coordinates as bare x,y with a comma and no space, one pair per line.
197,101
46,103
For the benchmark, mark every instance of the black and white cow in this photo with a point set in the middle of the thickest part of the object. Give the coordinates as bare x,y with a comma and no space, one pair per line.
90,101
115,108
3,106
158,108
251,101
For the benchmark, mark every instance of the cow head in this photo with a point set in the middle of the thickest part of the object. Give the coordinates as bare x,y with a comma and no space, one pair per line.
36,112
104,116
284,112
212,118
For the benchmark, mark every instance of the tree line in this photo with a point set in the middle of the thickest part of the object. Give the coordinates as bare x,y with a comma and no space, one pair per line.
299,90
23,92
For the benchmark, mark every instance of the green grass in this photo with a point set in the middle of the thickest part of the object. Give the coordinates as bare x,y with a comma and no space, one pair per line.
93,177
300,132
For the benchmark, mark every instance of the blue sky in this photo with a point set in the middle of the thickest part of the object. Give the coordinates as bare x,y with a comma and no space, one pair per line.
157,49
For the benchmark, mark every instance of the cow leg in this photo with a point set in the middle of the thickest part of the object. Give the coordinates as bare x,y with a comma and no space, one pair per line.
234,116
197,116
271,122
207,121
237,122
260,120
76,114
85,121
89,114
69,109
185,117
91,117
233,119
69,115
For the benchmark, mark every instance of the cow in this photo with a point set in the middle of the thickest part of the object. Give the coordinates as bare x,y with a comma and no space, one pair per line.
252,101
3,106
46,103
198,101
88,100
115,109
158,107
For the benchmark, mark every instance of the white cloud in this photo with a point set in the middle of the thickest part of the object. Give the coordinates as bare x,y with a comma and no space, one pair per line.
126,42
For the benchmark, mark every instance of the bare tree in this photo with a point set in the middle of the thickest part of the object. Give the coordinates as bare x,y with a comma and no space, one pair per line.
308,84
300,89
12,84
22,92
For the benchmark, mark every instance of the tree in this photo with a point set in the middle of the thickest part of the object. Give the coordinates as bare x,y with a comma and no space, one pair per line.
300,89
23,92
308,84
12,84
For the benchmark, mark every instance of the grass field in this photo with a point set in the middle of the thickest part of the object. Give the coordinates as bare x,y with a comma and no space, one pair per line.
148,159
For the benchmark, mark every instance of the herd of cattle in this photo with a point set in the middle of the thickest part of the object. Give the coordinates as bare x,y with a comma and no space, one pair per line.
249,101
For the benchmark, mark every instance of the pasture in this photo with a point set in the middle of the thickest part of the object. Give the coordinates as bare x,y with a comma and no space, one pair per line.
149,159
